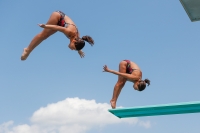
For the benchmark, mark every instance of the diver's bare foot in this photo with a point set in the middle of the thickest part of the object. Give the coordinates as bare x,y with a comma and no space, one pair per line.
25,54
113,104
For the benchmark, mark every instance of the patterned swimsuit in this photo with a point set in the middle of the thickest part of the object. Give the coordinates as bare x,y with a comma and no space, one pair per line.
129,70
62,22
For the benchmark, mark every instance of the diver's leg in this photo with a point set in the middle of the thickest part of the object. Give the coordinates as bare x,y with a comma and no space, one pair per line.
119,85
53,20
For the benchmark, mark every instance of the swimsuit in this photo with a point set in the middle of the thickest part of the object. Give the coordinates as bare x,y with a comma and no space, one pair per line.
62,22
129,70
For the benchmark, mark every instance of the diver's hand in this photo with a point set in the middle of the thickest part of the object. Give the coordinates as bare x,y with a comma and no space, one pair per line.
81,53
106,69
42,25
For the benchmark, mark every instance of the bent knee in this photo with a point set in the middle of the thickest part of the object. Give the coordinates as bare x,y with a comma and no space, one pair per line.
56,14
122,66
122,63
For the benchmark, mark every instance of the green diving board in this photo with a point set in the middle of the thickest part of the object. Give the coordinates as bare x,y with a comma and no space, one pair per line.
154,110
192,8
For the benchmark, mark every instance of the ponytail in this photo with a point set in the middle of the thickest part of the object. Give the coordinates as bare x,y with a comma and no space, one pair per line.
142,84
80,42
88,39
147,81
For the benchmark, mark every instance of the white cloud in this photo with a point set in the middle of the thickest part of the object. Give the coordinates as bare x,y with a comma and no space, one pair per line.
5,126
72,115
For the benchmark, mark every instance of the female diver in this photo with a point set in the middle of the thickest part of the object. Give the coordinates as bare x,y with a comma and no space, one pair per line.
128,71
58,21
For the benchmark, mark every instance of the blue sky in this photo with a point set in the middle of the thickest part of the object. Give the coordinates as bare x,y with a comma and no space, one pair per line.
157,35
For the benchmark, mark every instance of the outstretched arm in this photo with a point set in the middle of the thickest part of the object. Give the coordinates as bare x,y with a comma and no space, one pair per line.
53,27
124,75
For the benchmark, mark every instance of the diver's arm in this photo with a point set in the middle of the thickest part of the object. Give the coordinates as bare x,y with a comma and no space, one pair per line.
53,27
124,75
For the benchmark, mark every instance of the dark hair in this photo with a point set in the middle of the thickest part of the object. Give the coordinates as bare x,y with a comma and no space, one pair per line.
142,84
80,42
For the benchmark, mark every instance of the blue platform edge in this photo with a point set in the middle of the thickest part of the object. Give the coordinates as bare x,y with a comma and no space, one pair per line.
161,109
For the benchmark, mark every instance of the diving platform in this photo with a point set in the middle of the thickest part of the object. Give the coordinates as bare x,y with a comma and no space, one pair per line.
155,110
192,8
